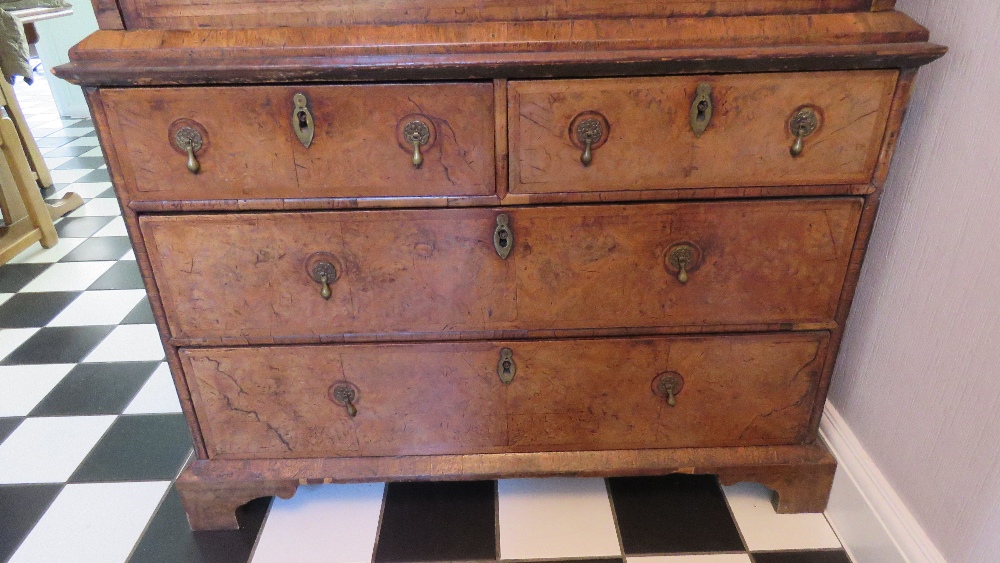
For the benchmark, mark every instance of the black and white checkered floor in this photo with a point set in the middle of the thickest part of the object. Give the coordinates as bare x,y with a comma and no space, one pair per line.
91,437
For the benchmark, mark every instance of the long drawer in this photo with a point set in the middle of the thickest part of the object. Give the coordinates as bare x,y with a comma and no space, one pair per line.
416,399
697,131
253,277
307,141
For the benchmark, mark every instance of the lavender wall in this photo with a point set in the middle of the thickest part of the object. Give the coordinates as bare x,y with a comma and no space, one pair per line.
918,379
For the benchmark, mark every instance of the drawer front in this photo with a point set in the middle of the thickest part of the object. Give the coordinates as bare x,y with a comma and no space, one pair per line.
250,147
413,399
437,273
647,140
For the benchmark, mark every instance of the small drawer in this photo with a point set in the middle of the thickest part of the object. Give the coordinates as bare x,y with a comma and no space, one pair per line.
697,131
303,141
436,273
557,395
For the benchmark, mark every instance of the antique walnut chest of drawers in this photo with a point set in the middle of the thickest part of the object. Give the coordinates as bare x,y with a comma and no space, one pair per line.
479,239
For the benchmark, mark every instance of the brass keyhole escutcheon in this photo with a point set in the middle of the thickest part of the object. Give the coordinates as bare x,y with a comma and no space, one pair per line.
668,385
503,236
189,140
302,120
417,134
701,109
589,133
345,394
803,123
682,258
506,368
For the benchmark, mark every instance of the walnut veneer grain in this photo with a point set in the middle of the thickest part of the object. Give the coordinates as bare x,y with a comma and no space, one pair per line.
435,274
650,143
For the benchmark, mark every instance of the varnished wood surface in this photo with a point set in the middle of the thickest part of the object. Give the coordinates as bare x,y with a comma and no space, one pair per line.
649,143
438,398
801,476
612,47
250,149
178,14
421,273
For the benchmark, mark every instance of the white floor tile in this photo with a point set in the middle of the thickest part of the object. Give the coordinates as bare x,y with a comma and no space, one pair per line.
86,190
68,276
130,255
322,523
11,338
93,152
707,558
77,131
54,161
129,343
116,228
4,297
59,122
21,387
35,254
99,308
69,176
49,449
100,207
92,523
83,142
157,396
556,518
765,530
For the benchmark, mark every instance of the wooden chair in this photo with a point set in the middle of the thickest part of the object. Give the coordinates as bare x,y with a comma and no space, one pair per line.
39,170
27,218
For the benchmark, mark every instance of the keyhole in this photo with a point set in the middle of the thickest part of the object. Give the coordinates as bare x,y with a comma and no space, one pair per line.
702,107
503,239
303,120
506,366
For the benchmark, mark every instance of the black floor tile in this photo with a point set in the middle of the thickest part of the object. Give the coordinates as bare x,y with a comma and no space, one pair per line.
148,447
69,151
673,514
168,539
438,522
141,314
82,163
821,556
15,276
123,275
100,175
7,425
58,345
99,248
109,193
22,506
91,389
25,310
81,227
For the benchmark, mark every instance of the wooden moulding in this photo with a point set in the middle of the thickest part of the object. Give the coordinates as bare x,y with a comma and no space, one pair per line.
180,14
800,476
489,50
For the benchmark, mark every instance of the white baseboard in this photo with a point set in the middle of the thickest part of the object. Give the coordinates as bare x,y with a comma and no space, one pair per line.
871,520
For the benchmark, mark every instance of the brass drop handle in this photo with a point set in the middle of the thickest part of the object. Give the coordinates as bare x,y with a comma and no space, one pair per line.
682,258
302,120
668,385
803,123
345,394
417,134
188,139
324,273
589,133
